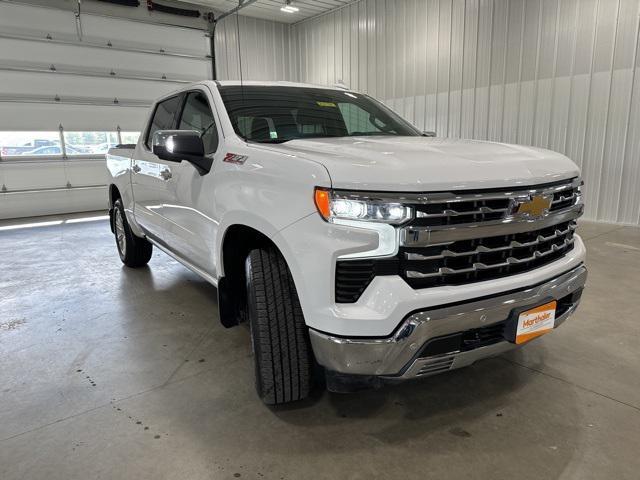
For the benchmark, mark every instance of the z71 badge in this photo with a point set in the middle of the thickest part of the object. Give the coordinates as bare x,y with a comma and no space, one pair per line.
235,158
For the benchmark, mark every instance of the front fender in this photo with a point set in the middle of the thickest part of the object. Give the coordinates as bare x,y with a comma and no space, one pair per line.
251,220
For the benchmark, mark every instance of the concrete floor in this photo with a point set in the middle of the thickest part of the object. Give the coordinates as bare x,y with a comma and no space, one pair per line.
112,373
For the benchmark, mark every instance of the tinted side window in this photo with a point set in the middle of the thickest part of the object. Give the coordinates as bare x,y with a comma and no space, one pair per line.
197,115
163,117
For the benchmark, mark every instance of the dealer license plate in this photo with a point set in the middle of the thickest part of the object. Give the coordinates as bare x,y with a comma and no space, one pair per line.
535,322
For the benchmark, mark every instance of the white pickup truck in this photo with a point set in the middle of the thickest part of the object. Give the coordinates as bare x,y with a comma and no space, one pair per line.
347,238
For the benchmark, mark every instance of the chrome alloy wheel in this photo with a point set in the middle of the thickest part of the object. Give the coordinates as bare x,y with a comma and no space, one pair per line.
121,238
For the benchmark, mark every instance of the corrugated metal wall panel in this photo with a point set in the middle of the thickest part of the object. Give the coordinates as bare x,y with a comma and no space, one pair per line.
559,74
264,49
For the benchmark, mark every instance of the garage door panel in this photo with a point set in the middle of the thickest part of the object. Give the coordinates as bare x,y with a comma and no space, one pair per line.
115,58
54,173
103,60
87,172
82,118
36,20
137,34
49,202
34,175
52,84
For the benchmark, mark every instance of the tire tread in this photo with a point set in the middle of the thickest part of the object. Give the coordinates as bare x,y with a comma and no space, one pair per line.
282,350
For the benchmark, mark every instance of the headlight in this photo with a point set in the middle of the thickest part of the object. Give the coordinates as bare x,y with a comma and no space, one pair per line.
334,205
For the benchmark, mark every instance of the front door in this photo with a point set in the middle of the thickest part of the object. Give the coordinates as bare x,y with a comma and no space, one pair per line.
152,178
190,213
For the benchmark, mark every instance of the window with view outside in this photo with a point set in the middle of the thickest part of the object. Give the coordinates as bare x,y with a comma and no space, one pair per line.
274,114
87,143
36,144
95,143
16,144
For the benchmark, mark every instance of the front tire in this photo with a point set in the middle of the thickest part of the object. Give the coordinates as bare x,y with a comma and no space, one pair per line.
134,251
279,335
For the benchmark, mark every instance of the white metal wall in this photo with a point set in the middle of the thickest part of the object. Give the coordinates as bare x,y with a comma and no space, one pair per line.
559,74
264,49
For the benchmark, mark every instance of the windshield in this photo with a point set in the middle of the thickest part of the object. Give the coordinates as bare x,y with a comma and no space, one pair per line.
278,114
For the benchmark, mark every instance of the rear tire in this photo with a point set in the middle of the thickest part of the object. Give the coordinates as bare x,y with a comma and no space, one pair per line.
134,251
279,335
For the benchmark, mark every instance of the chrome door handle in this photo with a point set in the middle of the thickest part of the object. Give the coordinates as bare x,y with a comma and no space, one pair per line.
136,169
166,174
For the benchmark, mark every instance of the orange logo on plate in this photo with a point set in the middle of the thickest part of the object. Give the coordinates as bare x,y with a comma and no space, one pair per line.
535,322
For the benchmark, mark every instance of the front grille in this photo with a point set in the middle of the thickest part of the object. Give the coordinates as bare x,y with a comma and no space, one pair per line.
460,238
440,210
480,259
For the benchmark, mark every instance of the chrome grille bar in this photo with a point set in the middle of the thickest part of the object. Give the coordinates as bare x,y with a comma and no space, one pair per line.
453,213
451,197
449,217
483,249
447,197
483,266
426,236
562,198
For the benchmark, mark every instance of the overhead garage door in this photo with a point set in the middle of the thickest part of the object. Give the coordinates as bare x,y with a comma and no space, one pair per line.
70,88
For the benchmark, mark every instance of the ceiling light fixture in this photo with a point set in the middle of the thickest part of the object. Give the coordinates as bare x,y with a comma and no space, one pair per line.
289,8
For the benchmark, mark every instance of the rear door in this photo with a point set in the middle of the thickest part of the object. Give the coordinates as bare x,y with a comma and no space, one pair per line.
191,211
152,178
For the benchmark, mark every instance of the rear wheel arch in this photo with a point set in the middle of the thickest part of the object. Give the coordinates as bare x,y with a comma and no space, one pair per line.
114,194
134,251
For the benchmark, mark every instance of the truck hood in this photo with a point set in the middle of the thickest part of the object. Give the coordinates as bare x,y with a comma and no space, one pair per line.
429,164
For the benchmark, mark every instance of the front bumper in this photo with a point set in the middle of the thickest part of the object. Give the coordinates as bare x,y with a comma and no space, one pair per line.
405,354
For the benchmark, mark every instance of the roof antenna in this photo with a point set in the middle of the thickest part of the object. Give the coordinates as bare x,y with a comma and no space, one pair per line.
239,51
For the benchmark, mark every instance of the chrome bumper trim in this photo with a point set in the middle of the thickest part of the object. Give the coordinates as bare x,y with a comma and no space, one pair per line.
424,367
395,356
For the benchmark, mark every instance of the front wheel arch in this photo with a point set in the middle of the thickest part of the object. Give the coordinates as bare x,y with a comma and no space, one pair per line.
239,240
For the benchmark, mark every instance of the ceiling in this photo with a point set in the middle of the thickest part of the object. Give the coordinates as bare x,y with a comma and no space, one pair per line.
270,9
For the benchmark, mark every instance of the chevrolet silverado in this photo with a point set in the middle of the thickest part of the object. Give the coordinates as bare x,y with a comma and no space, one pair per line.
351,242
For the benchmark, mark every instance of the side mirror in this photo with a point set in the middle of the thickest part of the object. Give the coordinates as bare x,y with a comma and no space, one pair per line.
428,134
179,145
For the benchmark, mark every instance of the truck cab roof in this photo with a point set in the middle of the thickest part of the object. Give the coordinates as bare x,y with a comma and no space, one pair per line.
261,83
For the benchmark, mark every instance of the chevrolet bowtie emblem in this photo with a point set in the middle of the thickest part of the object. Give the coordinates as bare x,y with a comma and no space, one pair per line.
535,206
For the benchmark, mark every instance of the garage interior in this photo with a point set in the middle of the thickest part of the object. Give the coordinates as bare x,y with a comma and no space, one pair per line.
108,372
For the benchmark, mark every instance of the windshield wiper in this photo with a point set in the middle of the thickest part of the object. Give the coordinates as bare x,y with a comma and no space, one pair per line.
372,134
272,140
